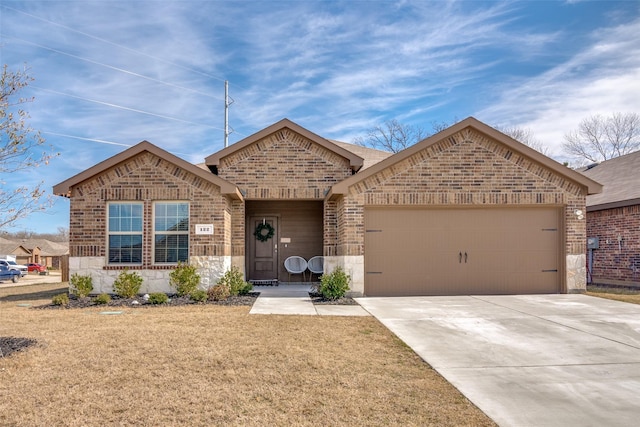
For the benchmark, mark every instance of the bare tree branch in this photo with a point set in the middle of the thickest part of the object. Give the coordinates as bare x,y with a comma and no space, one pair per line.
601,138
525,136
19,145
394,136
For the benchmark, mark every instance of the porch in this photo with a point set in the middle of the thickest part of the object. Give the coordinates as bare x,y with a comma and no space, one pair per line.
276,230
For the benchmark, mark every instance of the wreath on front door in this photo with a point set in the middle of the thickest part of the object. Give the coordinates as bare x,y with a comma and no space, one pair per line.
260,232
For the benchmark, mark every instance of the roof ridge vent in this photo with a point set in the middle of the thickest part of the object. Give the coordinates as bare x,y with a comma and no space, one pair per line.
592,165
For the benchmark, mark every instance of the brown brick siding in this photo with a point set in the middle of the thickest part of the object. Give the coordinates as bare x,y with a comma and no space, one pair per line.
284,165
467,169
613,262
330,228
237,228
147,178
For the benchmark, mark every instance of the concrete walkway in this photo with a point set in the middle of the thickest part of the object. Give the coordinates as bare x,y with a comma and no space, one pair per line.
528,360
34,279
294,299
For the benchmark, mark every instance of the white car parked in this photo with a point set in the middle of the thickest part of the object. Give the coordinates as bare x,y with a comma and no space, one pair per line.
12,265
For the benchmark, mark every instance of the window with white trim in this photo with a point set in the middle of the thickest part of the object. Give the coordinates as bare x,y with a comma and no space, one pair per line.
124,226
170,232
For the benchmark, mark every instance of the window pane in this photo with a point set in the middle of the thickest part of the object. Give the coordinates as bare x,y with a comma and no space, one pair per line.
125,249
183,224
171,217
171,248
171,223
136,211
125,217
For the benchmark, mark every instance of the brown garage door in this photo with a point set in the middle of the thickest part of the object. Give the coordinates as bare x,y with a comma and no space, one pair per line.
462,251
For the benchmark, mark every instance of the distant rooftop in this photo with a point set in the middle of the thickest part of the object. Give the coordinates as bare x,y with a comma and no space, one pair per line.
621,179
371,156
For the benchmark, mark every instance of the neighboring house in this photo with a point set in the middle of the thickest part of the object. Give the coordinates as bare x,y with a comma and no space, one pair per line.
14,249
41,251
48,253
613,218
466,211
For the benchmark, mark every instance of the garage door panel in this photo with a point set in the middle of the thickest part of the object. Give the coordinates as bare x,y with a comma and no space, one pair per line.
463,251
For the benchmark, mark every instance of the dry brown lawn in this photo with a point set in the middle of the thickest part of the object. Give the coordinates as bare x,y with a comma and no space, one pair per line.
618,294
210,365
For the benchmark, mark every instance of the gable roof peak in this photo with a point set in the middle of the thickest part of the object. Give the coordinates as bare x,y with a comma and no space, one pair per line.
467,126
355,161
64,188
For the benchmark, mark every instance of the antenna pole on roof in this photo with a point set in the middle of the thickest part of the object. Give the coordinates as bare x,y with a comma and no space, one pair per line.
227,102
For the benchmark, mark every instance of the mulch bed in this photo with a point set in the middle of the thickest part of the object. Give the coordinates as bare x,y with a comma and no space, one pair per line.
174,301
10,345
318,299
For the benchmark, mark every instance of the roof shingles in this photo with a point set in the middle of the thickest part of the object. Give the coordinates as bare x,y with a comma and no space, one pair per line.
621,179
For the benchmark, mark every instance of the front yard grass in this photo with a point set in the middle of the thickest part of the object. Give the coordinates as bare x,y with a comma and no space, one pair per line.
210,365
615,293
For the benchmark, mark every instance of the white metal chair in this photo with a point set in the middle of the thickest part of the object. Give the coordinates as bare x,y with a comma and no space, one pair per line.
316,266
296,265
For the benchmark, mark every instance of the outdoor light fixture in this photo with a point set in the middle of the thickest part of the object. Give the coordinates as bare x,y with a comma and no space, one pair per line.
579,214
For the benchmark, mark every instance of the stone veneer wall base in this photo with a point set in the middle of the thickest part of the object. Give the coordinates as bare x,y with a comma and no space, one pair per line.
353,266
576,273
210,269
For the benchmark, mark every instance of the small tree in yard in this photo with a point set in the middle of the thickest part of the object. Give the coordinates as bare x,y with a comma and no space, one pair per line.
127,285
234,280
185,279
81,286
335,284
18,145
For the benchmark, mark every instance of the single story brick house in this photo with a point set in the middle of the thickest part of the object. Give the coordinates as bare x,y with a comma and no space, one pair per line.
613,221
466,211
50,253
11,248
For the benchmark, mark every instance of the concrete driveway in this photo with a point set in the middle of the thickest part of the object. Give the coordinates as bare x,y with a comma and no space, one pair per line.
534,360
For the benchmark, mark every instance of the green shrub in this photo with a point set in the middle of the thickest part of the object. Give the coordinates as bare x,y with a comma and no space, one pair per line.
219,292
248,287
185,279
81,286
60,299
158,298
234,280
198,295
127,285
335,284
102,299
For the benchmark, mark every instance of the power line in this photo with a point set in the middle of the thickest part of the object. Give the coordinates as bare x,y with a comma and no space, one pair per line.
135,110
114,44
102,141
122,70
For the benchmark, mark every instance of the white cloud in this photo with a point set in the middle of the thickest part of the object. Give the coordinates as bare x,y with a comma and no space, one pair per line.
601,79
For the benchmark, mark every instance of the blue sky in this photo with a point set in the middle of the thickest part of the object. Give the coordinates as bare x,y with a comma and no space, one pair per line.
110,74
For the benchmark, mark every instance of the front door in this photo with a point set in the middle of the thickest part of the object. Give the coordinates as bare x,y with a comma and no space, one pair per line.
263,250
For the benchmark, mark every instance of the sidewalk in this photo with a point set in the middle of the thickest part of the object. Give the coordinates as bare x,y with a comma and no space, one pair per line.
34,279
294,299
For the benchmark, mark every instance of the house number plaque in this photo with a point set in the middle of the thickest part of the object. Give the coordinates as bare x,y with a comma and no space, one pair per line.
204,228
